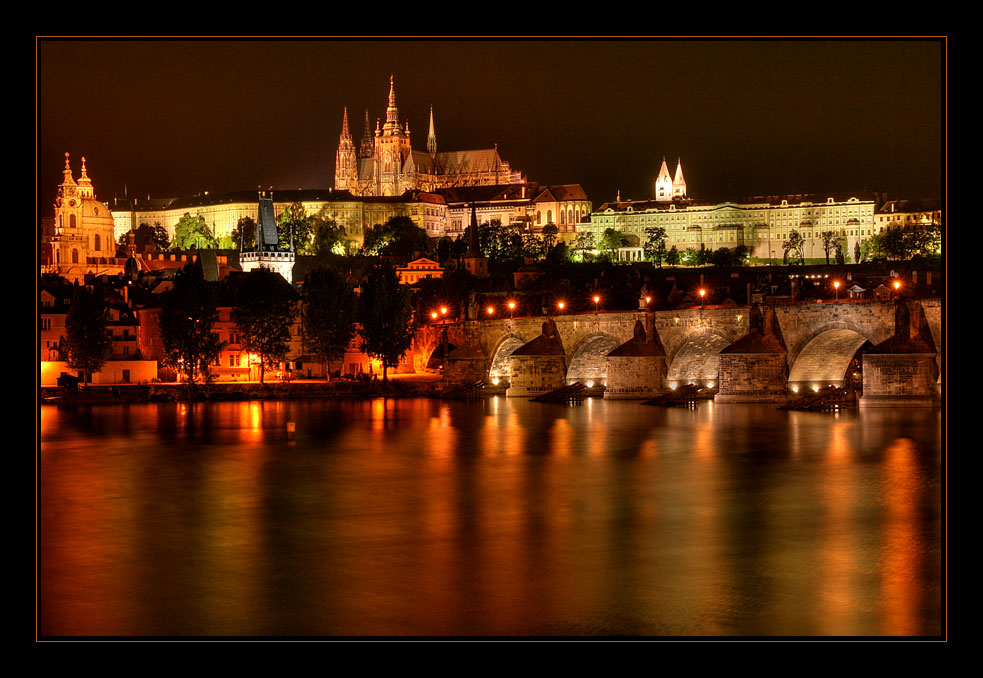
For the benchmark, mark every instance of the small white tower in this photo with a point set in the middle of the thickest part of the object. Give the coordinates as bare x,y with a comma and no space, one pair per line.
663,184
679,183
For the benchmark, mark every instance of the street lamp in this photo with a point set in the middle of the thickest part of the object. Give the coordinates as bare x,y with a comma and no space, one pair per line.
897,286
491,310
836,287
511,308
703,296
560,305
597,300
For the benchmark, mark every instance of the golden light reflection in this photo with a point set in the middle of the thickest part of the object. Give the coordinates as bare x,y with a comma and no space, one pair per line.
561,438
903,544
442,436
839,555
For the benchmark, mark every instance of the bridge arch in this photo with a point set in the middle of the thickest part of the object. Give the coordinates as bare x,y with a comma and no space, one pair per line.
500,368
826,356
589,363
697,360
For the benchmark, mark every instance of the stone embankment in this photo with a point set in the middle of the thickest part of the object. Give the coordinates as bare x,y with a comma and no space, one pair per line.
144,393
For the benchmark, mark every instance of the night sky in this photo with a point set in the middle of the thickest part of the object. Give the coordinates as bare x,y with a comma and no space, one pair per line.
174,118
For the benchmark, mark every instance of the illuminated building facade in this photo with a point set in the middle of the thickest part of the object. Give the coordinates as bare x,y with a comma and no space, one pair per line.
762,223
82,239
222,212
386,164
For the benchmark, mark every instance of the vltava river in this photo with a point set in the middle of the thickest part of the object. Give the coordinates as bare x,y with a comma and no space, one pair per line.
502,517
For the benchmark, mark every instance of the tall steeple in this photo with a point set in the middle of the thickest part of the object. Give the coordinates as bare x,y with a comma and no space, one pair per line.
68,184
663,184
368,141
85,184
432,137
346,162
679,183
392,113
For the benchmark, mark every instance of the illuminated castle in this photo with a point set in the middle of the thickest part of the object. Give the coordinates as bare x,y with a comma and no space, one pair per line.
386,165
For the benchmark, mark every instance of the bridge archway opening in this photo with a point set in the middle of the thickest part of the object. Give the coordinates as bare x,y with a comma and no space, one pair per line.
437,358
589,364
500,369
831,358
697,361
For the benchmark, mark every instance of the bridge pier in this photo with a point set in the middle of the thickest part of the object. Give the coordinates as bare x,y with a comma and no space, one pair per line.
902,371
538,366
754,368
637,369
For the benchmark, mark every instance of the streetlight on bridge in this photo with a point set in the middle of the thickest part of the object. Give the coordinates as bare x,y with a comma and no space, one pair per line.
836,287
703,296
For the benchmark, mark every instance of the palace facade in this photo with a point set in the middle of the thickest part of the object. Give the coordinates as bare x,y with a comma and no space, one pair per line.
385,164
761,222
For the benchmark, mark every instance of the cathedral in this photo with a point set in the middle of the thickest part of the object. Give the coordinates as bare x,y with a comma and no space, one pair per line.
385,164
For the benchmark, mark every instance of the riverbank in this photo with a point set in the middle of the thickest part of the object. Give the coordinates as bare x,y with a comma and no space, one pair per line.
404,387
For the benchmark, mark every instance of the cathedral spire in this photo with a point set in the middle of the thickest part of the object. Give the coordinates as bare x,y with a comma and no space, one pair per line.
345,134
392,113
84,183
432,137
367,141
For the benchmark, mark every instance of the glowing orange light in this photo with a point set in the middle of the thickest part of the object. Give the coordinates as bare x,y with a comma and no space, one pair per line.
596,299
897,284
561,305
511,304
648,300
443,310
491,310
434,315
836,284
703,293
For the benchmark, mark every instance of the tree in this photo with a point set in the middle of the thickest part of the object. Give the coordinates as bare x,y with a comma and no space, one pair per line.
188,313
385,313
87,339
830,239
793,248
655,244
584,243
673,256
192,232
399,236
329,313
550,237
265,309
245,233
856,252
328,238
294,220
611,240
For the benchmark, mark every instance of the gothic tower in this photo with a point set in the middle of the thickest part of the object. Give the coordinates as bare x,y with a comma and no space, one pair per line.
392,148
368,141
431,138
346,161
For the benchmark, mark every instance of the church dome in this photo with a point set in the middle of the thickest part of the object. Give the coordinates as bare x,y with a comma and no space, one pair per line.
95,212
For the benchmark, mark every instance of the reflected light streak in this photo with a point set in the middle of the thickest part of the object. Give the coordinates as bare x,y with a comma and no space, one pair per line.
903,544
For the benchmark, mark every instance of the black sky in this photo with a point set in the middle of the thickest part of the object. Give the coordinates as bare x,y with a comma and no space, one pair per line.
173,118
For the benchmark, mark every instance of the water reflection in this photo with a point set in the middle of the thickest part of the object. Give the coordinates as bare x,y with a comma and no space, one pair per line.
419,517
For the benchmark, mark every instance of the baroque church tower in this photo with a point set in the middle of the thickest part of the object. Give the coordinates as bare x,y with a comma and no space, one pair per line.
83,239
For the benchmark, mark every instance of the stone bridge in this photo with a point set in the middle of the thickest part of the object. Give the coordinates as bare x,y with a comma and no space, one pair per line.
820,340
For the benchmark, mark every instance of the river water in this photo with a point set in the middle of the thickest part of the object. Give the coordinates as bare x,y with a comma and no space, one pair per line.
500,517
